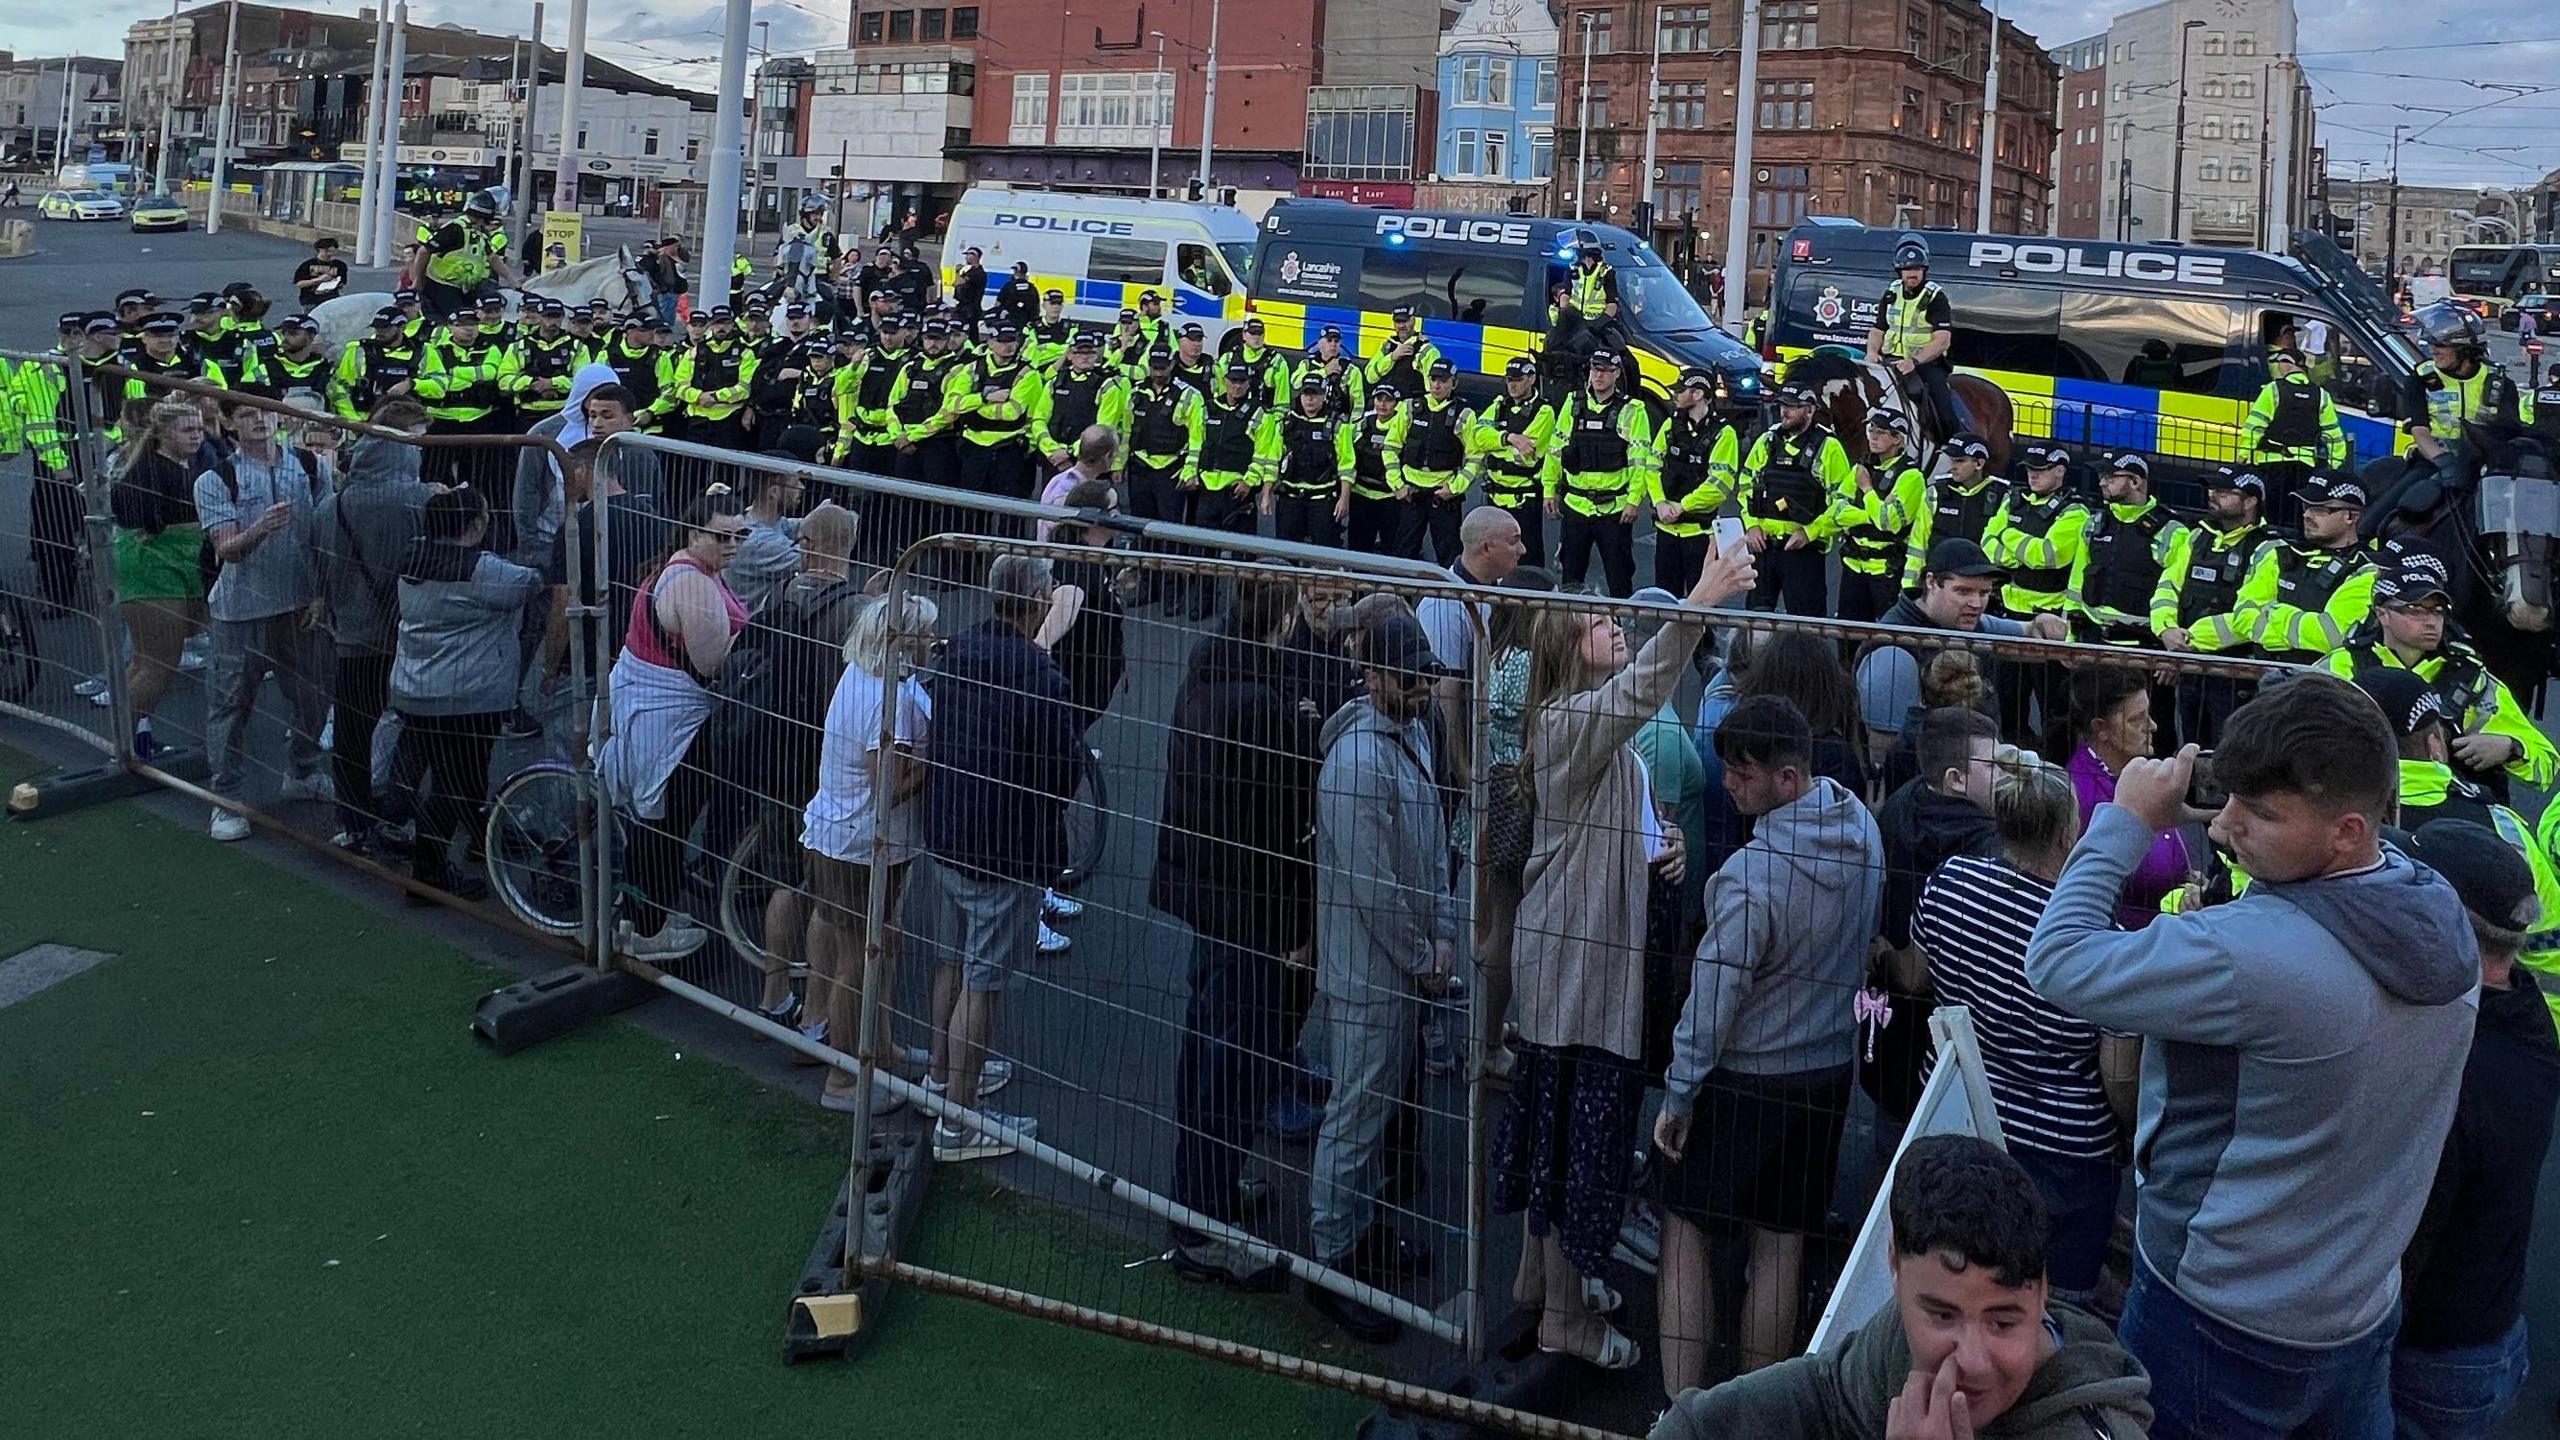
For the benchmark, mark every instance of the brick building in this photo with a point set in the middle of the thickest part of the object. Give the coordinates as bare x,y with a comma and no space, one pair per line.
1863,110
2080,165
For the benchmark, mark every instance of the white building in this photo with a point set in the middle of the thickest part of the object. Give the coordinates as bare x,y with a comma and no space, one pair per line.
2235,115
32,111
890,115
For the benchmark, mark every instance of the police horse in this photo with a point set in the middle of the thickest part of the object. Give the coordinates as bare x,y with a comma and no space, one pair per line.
615,279
1846,389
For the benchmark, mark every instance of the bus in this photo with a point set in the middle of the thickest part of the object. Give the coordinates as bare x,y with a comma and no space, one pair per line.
2104,346
2492,277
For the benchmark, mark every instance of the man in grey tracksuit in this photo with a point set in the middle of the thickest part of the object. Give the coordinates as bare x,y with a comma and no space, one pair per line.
359,541
2303,1048
1386,927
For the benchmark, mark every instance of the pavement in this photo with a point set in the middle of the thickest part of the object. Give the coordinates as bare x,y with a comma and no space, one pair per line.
82,266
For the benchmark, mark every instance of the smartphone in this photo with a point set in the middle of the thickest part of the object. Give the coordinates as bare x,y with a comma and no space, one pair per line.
1729,534
2203,791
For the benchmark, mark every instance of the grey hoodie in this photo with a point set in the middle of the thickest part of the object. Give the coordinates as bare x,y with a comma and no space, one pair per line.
1789,918
1382,857
460,610
2302,1052
360,539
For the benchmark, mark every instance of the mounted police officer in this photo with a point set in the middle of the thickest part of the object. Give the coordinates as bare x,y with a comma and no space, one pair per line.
1588,318
2461,399
1915,331
458,259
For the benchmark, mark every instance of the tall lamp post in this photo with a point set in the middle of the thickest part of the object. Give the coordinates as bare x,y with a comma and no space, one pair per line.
2391,222
1582,121
1990,127
2178,139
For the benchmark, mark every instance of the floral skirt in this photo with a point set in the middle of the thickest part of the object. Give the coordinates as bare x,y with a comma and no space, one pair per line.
1564,1148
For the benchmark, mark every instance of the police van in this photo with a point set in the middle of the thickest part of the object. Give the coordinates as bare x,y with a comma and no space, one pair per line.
1102,251
2158,348
1479,284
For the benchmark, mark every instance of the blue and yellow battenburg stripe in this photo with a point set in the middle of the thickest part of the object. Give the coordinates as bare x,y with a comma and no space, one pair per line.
1479,350
1115,296
2203,428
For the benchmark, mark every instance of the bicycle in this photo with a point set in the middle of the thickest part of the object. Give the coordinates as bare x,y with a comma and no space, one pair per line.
531,843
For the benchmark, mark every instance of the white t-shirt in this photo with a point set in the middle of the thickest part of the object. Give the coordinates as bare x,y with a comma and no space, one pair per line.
840,819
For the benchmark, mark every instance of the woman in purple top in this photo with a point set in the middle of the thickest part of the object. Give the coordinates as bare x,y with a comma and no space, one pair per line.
2110,724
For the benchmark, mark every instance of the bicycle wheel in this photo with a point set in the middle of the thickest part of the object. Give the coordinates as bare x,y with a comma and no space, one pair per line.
746,883
532,845
19,666
1088,824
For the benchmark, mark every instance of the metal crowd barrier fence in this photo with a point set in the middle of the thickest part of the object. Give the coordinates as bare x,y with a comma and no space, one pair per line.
59,630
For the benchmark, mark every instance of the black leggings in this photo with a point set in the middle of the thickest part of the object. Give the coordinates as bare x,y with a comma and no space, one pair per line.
360,689
659,847
448,755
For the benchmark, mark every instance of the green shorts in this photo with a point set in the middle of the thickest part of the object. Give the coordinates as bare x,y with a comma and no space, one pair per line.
166,566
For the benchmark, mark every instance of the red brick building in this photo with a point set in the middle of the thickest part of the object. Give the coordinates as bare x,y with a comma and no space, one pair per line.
2080,179
1865,110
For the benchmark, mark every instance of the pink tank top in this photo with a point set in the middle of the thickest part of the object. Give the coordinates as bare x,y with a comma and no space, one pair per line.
665,648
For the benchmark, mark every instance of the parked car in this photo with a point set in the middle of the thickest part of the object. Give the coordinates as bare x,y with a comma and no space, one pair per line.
159,212
79,205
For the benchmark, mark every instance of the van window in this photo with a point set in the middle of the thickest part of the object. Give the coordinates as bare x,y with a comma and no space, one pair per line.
1479,289
1200,270
2150,341
1393,276
1126,262
2004,327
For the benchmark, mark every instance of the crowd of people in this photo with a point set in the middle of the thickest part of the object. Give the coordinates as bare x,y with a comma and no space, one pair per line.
2293,982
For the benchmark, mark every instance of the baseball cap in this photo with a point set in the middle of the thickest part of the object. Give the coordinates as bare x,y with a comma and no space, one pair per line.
99,322
1159,358
1968,447
1605,360
1520,367
2290,355
1330,332
723,312
1253,325
2339,492
1444,369
1888,422
2129,462
466,313
71,320
640,322
2045,457
2232,477
1403,312
1311,384
1384,391
1697,378
1128,314
2413,576
1084,340
795,311
1008,332
2406,701
597,306
2490,875
298,322
164,323
554,310
404,297
1054,295
388,315
203,305
1150,297
1791,394
1194,331
493,302
136,297
1956,555
1396,644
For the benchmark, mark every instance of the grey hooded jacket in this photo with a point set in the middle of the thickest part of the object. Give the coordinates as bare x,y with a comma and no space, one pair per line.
460,611
361,538
2302,1052
1382,857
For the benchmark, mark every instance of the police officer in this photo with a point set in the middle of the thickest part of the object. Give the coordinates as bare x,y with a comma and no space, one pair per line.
1957,505
780,367
544,360
1152,325
2495,744
1915,330
1792,477
458,259
219,356
1346,388
2301,597
1509,446
1599,471
1270,367
713,381
244,322
1045,338
811,230
377,365
2292,428
1430,443
991,400
920,420
1127,347
866,431
1405,357
1589,312
2124,555
40,408
495,327
1312,495
969,290
1084,392
1876,525
1193,365
1238,455
1376,514
816,406
462,379
416,325
633,352
299,370
2038,534
1701,459
1018,300
2461,398
1164,439
2201,578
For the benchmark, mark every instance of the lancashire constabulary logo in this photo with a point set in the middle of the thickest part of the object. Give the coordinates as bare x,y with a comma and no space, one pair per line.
1827,309
1289,268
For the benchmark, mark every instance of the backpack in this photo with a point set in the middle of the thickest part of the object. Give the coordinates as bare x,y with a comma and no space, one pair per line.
208,559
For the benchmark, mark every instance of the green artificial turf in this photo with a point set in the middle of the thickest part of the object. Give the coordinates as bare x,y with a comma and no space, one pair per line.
257,1179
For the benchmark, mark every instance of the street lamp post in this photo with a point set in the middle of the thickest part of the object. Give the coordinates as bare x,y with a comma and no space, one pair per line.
372,130
168,106
222,122
1582,120
1159,120
2391,222
1737,225
1209,100
2178,139
1990,122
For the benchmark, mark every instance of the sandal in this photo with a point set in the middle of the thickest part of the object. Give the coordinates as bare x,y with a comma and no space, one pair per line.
1617,1352
1598,1298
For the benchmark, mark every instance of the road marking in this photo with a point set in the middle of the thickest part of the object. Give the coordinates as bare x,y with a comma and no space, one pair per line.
39,968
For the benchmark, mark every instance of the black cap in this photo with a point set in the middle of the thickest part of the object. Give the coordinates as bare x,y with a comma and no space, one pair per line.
1311,384
98,322
2233,477
2492,877
163,323
1520,367
71,320
817,346
1330,332
1007,332
203,305
2409,703
466,313
2043,455
1159,358
640,322
597,306
1238,370
1150,297
1959,556
1403,313
298,322
136,297
1606,360
1084,341
697,316
1697,377
1128,314
902,320
1968,447
554,310
2413,576
1021,267
404,297
1396,643
795,311
238,290
1253,324
1442,369
1888,422
2337,491
1057,296
723,312
1384,391
1194,331
2291,356
1790,394
2131,462
493,302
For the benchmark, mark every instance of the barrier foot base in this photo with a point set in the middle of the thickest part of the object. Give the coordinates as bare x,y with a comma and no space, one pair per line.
65,791
832,1317
552,1004
1515,1373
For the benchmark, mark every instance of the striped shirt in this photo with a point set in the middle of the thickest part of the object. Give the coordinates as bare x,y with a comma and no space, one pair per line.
1974,918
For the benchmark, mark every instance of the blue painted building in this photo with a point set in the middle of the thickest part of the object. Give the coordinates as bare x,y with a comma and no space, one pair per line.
1498,95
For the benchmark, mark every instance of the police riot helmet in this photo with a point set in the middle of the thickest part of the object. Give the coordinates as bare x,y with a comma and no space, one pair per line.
1910,251
482,202
1586,245
812,205
2456,326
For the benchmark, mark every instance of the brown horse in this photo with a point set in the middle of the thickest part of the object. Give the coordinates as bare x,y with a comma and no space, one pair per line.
1846,389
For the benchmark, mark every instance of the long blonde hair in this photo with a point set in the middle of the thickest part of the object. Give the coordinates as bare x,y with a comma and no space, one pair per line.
884,623
164,415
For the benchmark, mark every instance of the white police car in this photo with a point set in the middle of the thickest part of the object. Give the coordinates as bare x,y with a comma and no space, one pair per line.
79,205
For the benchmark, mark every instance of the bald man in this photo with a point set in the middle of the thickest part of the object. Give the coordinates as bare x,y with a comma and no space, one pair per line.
1489,549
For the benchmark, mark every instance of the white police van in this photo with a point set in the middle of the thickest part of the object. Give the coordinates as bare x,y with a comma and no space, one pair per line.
1102,251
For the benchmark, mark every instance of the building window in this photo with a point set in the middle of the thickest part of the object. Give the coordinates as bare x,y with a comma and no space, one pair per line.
1790,25
1908,117
1677,195
1484,80
1684,27
1030,111
1595,105
2209,168
964,22
1686,104
1471,79
1496,155
1603,27
1786,104
2244,43
2211,89
932,28
648,142
872,20
1113,108
1360,132
1463,154
1542,155
2240,172
2243,88
582,137
1915,31
2214,42
2210,127
2242,129
902,26
1545,98
1782,201
692,148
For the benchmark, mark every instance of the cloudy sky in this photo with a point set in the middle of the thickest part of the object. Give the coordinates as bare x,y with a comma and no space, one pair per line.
2480,90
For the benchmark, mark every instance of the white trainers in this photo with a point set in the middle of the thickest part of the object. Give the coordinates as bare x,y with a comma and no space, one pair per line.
191,657
315,786
229,825
1053,942
91,688
951,1146
1061,908
674,940
993,1076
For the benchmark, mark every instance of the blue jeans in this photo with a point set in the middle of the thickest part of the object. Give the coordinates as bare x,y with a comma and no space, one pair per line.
2457,1394
2080,1197
2211,1382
